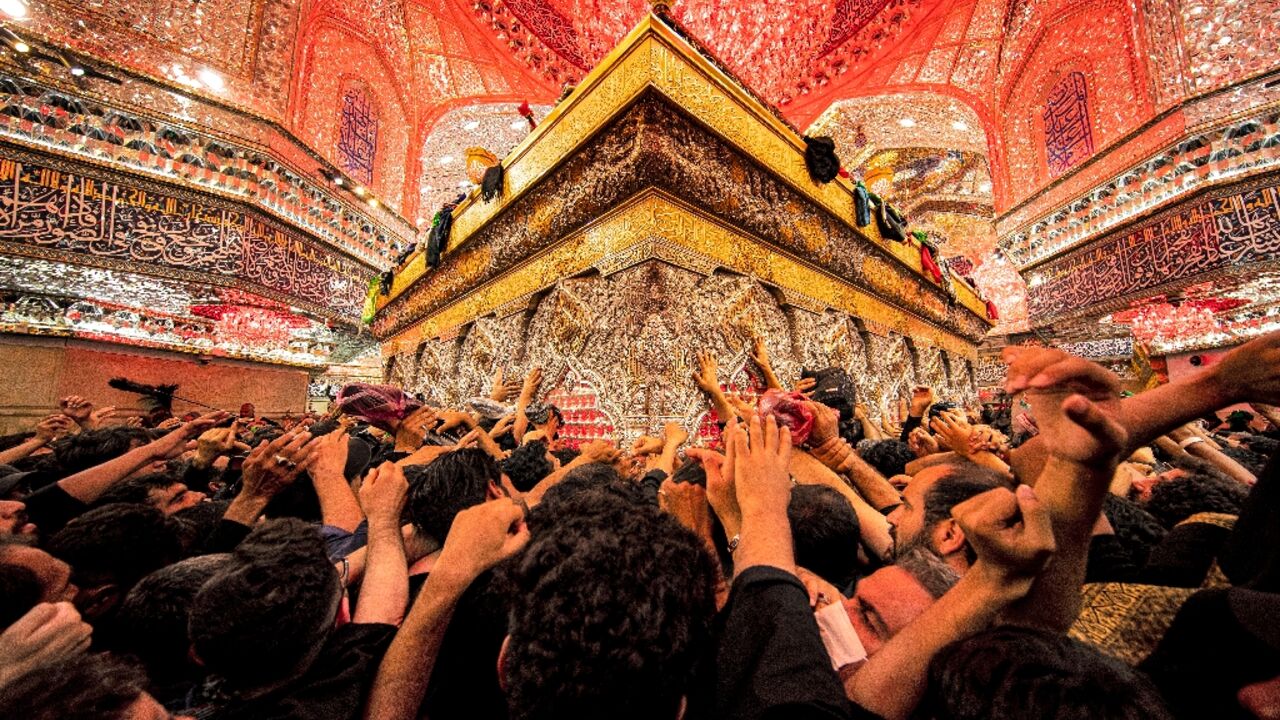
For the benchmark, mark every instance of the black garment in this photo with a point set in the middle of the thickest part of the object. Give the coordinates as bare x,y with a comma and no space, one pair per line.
1109,561
1208,654
892,225
464,684
1252,553
491,186
770,661
652,482
51,507
225,537
1185,556
820,158
334,688
911,423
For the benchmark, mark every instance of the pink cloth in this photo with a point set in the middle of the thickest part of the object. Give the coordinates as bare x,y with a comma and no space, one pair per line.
789,410
383,406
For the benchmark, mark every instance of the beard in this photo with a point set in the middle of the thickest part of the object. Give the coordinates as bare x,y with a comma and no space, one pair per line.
904,545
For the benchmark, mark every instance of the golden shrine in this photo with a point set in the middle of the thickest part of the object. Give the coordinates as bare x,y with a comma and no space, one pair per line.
660,209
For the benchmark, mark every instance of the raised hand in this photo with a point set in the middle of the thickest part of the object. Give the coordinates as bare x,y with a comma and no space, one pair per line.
98,418
922,443
599,451
804,386
49,632
688,504
451,419
1251,372
761,477
503,390
331,453
1011,533
53,427
273,466
77,408
532,382
383,493
705,376
721,493
674,434
921,398
215,442
482,536
953,430
174,443
1076,403
169,424
647,445
503,426
826,424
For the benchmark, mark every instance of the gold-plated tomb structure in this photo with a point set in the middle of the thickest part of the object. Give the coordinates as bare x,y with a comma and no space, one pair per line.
658,210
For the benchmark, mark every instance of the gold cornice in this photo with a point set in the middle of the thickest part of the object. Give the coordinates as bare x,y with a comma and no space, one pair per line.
654,57
655,225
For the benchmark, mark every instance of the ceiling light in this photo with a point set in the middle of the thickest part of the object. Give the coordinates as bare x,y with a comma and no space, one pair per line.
14,8
21,47
907,122
959,125
446,159
373,202
337,180
358,190
471,125
77,71
211,79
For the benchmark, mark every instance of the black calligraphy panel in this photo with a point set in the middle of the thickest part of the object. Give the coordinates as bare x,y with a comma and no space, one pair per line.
53,209
1234,229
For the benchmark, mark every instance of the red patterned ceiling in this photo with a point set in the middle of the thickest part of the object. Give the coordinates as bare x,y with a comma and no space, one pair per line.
779,51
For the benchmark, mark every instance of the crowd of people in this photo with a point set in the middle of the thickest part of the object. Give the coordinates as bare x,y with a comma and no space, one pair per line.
395,560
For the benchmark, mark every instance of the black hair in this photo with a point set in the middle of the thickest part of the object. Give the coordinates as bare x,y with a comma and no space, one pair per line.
888,457
94,447
1012,672
640,587
1173,501
137,489
528,465
450,484
20,590
566,455
1138,531
257,619
962,481
151,624
592,476
824,530
198,524
85,687
117,544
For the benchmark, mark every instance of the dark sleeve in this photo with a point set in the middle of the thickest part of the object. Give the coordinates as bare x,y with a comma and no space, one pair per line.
1184,557
51,507
1252,553
1109,561
199,478
911,423
770,661
651,481
226,536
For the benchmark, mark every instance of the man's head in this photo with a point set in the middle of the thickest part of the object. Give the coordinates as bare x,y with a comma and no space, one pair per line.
824,530
1177,499
262,619
890,598
610,611
924,517
85,687
94,447
248,411
889,457
529,464
1011,672
13,519
159,490
450,484
52,574
111,548
152,622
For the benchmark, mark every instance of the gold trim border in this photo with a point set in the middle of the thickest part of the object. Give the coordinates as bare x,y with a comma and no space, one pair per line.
654,56
655,225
